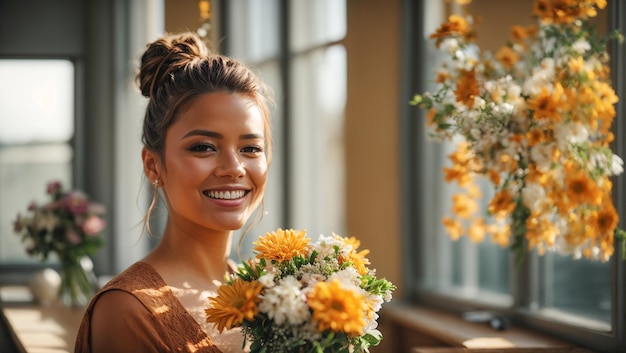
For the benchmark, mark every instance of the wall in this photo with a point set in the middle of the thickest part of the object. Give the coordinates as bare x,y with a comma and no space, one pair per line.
371,127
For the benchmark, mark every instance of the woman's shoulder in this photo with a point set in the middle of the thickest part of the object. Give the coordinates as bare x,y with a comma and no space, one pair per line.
137,276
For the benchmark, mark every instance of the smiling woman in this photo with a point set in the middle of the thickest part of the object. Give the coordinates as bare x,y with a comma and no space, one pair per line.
207,146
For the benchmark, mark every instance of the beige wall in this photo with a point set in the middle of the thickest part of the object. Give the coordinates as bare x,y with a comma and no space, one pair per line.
372,115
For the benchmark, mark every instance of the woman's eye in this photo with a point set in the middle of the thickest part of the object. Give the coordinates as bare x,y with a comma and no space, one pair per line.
252,149
202,148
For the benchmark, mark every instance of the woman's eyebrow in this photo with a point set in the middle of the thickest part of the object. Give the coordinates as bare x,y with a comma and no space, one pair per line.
250,136
207,133
200,132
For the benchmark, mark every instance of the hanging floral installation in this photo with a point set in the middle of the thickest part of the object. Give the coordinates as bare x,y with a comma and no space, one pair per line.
534,119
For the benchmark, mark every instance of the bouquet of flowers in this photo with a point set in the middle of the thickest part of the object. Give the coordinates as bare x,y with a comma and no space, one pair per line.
70,226
535,120
299,296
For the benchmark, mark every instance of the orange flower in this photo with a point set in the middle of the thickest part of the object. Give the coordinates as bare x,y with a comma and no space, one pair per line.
233,304
502,204
467,88
507,56
338,309
456,25
358,258
282,245
453,227
546,104
463,206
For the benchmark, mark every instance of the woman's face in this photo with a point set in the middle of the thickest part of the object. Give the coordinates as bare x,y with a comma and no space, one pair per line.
215,162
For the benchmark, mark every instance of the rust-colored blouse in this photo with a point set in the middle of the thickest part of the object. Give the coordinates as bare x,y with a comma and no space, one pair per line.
160,324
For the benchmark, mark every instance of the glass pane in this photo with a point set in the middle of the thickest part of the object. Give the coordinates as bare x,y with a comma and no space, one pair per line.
36,125
36,101
575,287
318,168
253,29
317,22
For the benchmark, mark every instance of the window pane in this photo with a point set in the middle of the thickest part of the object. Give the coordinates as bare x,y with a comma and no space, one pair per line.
317,22
253,29
318,166
577,287
36,101
36,125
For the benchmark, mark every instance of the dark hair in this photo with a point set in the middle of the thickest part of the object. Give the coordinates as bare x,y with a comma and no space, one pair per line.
177,68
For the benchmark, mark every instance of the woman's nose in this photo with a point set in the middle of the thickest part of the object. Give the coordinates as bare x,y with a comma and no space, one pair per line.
230,165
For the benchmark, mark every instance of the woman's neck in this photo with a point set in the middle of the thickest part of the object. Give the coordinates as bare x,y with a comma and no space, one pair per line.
191,256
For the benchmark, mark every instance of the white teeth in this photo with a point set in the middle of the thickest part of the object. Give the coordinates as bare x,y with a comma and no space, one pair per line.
226,195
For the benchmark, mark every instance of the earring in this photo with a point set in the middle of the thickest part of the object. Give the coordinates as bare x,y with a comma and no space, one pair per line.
155,183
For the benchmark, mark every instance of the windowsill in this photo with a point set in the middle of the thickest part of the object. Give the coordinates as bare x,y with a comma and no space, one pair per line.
36,328
443,332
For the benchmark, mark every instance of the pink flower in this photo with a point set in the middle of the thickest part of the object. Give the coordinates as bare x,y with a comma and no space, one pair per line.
53,187
75,202
32,206
93,225
72,236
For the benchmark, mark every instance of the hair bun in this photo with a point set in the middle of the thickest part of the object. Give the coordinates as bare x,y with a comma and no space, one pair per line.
165,56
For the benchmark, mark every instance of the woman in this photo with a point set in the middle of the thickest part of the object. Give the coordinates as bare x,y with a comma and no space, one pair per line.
207,145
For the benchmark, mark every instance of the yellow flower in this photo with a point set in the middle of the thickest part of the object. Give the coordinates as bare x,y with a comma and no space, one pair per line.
233,304
507,56
605,220
282,245
453,227
460,174
358,258
456,25
581,189
500,234
464,206
540,233
338,309
477,230
502,204
467,88
546,104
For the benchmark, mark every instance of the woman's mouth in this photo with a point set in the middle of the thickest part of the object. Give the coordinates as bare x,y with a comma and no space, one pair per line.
226,195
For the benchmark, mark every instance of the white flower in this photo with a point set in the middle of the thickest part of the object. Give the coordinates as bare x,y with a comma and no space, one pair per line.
325,246
346,276
449,45
285,302
541,155
570,133
267,280
581,46
532,195
617,165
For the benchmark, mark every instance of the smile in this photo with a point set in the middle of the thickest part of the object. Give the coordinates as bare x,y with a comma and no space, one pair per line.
226,195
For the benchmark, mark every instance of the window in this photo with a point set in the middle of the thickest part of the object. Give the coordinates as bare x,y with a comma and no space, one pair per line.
581,301
296,47
36,129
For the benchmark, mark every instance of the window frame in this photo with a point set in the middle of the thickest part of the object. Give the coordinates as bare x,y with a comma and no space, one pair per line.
20,273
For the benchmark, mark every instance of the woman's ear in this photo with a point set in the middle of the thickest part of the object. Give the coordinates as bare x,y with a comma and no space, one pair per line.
151,165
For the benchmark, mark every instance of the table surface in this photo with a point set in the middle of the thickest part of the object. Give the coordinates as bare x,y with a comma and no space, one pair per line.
39,329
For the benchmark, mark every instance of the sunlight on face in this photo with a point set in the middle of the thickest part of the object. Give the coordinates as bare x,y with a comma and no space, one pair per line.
215,162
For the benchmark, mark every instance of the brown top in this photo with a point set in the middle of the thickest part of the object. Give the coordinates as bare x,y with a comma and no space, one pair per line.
155,322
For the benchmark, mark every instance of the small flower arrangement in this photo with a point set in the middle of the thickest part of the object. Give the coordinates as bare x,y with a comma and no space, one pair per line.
535,120
71,227
299,296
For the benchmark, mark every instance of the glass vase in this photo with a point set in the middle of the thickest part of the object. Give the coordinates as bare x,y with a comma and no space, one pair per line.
76,289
